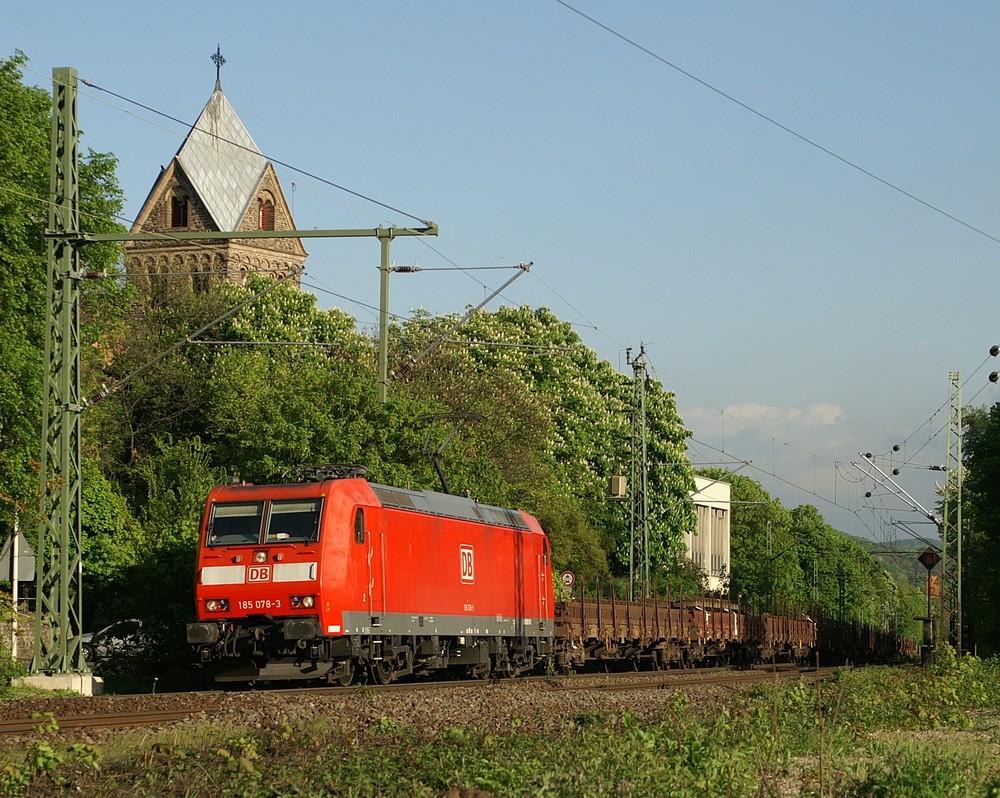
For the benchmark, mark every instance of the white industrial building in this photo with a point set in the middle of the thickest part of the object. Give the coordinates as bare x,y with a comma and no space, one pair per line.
708,547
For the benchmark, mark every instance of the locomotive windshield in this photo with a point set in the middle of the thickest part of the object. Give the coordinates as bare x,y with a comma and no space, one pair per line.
235,524
243,523
293,521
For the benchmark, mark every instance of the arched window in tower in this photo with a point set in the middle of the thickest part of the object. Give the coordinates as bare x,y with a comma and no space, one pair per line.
266,214
178,211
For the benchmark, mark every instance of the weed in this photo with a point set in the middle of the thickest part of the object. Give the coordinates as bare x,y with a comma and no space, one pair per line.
10,669
918,771
44,759
851,736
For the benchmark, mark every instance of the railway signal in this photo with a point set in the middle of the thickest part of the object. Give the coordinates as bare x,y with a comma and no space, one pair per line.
928,558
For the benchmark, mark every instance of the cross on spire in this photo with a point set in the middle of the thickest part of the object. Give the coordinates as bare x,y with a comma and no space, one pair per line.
219,61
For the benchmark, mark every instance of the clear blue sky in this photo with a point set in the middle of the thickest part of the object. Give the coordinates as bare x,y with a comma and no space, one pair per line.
800,309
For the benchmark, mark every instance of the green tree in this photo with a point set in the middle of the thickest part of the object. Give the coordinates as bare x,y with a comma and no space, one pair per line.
588,406
274,407
819,557
24,177
24,118
157,584
843,579
981,494
151,395
110,536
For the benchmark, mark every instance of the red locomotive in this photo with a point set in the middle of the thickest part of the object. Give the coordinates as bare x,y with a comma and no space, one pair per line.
326,578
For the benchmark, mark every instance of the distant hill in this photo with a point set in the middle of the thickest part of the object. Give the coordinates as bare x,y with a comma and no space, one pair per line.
899,559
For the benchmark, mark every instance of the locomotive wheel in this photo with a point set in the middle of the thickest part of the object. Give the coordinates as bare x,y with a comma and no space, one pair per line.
346,679
528,661
503,668
381,671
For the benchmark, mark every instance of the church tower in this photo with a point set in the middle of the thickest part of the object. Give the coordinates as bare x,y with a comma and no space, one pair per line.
217,181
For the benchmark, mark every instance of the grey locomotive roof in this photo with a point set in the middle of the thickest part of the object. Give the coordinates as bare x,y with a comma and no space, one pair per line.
425,501
222,162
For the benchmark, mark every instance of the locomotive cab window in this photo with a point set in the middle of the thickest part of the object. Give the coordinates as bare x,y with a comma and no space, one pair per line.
293,521
235,524
359,526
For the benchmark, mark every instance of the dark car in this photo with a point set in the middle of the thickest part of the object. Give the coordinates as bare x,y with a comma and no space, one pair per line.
121,640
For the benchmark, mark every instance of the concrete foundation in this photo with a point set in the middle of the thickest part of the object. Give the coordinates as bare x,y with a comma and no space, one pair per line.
82,683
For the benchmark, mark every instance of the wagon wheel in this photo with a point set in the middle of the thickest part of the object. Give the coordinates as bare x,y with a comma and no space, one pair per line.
381,670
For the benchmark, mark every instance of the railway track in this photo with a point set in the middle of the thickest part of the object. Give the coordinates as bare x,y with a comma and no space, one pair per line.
688,679
110,720
104,713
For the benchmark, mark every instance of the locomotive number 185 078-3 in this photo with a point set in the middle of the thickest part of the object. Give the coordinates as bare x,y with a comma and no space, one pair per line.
259,604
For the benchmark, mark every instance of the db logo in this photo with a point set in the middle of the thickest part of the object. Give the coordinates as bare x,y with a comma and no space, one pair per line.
259,573
468,566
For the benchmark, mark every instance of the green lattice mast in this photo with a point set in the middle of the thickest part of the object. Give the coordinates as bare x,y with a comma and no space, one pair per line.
58,594
951,525
639,584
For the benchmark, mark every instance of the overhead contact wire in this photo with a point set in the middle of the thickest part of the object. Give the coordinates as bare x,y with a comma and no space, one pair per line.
776,123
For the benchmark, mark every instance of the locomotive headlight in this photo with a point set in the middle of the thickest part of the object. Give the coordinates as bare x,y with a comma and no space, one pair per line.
217,605
260,556
303,601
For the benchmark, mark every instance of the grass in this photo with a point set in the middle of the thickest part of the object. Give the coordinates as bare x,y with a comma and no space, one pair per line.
871,732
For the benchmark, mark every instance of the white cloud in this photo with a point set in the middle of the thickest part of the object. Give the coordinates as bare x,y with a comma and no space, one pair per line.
821,414
819,424
799,445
